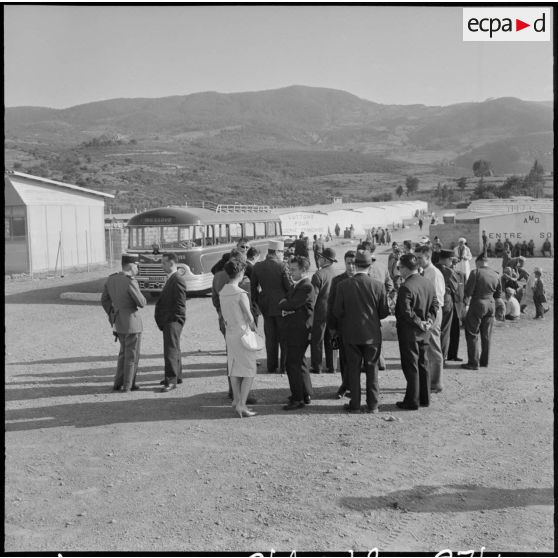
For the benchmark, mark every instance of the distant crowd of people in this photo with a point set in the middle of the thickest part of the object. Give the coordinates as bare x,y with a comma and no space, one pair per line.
430,291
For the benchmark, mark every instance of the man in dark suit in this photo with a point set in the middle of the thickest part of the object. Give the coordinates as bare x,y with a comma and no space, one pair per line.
360,304
450,295
333,324
415,311
455,328
320,337
269,284
481,290
121,300
296,311
170,316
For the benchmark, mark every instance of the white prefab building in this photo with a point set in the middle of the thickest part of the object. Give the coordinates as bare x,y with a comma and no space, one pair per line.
51,225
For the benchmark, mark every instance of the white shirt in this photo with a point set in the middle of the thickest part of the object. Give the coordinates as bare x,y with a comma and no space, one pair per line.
434,275
512,307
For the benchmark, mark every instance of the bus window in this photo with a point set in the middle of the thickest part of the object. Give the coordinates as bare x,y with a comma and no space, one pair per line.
185,237
260,230
151,235
209,235
271,230
169,237
199,236
135,238
236,232
249,231
221,234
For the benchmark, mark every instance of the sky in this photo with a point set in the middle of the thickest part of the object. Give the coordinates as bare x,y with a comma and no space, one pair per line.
61,56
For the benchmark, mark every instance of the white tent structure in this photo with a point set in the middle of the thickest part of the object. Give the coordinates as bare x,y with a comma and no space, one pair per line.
51,225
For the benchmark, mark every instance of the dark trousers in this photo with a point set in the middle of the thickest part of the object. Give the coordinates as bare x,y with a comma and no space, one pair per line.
171,352
445,331
455,332
298,373
128,358
359,356
342,366
414,362
272,343
320,336
539,308
478,322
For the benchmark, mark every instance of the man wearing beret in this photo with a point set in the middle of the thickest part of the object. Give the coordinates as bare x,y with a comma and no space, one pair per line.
121,300
360,303
320,336
170,316
481,290
415,311
269,284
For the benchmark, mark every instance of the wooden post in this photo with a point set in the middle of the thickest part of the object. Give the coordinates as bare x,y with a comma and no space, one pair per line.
87,249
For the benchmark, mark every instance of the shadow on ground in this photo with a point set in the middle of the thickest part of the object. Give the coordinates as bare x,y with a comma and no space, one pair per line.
452,498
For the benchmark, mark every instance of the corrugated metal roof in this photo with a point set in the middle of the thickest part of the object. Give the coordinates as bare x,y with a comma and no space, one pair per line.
56,183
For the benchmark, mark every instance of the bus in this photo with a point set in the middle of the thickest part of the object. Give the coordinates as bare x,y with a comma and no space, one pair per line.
199,236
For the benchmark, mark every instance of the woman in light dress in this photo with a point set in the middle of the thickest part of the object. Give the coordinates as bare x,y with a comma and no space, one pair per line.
235,309
463,255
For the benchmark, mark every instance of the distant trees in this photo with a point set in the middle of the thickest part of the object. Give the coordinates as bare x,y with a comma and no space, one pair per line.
399,190
411,184
482,168
534,181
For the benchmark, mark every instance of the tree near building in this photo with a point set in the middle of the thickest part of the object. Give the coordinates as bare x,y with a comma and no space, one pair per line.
462,184
534,181
482,168
399,190
411,184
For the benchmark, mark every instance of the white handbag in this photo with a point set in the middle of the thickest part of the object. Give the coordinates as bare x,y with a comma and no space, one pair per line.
252,341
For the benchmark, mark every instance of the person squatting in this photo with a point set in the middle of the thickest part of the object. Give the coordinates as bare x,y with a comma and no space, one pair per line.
426,288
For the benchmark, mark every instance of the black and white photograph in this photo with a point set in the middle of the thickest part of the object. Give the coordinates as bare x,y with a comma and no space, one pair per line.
347,211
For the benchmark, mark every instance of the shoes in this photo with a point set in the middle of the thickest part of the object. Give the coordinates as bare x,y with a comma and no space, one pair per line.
315,371
115,388
436,390
347,407
456,359
294,405
469,367
329,371
307,400
381,367
251,400
245,412
340,394
135,387
483,365
164,382
370,411
125,390
407,406
168,388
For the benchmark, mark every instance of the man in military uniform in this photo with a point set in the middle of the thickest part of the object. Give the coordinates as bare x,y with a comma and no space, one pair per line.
450,296
121,300
320,336
481,290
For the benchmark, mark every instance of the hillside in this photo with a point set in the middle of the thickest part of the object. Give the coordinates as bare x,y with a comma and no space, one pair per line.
296,144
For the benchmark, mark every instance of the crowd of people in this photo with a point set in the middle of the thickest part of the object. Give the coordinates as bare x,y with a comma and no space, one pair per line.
429,290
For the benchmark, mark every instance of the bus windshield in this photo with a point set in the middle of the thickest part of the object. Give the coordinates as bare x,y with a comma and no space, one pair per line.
187,236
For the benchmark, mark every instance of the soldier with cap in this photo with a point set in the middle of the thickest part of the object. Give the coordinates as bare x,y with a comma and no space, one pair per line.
121,300
320,336
269,284
481,290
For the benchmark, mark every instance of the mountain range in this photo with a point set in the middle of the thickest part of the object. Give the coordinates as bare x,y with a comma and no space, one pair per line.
306,141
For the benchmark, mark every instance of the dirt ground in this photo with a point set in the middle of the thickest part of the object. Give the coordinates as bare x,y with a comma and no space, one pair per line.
92,470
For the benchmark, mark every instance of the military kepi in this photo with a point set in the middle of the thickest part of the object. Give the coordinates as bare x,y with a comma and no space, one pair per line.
129,259
446,253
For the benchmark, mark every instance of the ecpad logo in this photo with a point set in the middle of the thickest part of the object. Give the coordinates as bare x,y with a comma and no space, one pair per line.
506,24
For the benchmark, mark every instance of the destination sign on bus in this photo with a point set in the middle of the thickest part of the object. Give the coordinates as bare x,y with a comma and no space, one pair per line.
163,220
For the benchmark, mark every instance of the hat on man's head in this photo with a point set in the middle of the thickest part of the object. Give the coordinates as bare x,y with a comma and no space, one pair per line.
510,291
537,269
446,253
276,245
328,254
363,259
129,259
461,239
481,258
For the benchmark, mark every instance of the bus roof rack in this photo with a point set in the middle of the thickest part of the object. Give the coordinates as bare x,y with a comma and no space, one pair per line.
230,207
